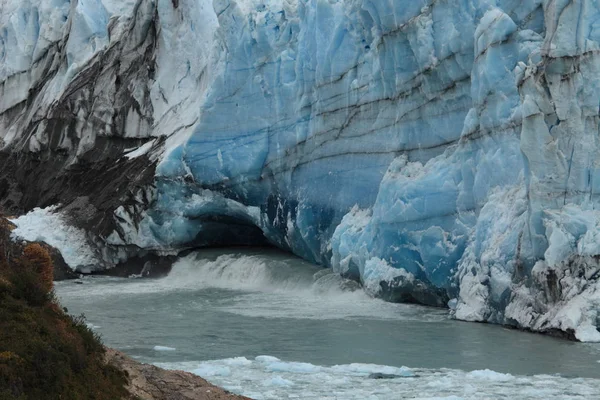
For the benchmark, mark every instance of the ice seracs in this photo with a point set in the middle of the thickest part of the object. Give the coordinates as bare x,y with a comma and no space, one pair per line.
435,151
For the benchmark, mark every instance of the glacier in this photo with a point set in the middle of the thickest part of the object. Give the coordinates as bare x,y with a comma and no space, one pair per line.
438,151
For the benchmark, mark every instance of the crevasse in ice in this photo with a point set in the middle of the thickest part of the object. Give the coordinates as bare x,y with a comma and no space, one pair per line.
433,149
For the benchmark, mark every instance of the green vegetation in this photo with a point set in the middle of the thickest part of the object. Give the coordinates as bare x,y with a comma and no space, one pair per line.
44,353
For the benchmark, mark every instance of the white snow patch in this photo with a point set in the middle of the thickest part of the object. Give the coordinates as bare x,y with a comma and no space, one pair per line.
142,150
48,226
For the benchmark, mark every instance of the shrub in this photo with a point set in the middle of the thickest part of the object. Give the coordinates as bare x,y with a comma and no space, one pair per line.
37,258
44,353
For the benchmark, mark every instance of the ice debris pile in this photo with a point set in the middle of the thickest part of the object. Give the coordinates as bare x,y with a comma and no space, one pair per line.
435,150
267,377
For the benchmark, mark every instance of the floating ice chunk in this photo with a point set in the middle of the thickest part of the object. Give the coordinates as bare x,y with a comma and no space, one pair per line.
164,348
452,303
278,381
295,367
267,359
368,369
207,370
237,361
586,332
352,382
490,375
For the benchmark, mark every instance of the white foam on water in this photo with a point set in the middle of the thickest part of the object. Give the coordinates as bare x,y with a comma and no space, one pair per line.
267,377
238,271
275,287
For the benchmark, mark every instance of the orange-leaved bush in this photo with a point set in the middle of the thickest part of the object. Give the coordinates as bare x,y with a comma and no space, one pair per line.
40,261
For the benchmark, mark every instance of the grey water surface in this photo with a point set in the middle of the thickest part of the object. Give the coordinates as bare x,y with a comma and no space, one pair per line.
217,304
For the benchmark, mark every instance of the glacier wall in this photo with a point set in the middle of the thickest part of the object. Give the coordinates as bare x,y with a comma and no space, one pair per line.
439,151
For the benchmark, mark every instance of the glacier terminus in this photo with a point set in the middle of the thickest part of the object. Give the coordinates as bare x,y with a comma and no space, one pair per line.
441,152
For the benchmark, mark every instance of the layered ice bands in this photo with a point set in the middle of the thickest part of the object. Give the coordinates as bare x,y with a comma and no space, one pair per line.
440,151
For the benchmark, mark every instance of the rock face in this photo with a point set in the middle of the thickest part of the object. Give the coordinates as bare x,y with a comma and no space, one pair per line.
147,382
435,150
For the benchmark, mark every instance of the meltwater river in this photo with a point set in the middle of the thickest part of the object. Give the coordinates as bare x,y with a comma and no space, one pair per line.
270,326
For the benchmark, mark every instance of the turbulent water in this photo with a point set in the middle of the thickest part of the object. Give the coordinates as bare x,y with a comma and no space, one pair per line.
271,326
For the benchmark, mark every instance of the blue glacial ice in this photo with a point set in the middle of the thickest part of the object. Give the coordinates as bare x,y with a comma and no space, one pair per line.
435,150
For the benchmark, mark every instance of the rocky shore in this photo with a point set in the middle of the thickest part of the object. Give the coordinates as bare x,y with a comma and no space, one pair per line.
147,382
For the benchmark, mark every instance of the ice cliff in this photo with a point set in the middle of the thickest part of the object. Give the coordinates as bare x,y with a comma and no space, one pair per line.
440,151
